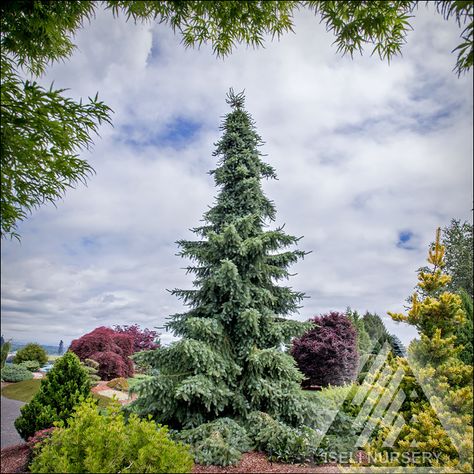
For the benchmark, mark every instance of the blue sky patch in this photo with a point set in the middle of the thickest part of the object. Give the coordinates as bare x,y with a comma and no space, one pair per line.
176,133
180,130
88,242
405,240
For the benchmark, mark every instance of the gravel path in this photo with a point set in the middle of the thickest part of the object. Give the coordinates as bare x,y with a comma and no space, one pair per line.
10,412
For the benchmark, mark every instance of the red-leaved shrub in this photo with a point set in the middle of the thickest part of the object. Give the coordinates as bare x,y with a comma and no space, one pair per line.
109,348
41,435
112,365
327,354
143,339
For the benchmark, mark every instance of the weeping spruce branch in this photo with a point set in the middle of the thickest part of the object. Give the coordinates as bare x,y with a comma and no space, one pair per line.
229,362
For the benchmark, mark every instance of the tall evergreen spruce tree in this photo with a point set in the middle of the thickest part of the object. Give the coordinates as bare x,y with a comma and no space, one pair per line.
229,361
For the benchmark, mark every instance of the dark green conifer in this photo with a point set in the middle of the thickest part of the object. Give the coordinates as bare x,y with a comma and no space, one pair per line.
59,393
229,361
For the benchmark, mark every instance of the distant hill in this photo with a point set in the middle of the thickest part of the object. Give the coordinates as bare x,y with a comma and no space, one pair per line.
49,349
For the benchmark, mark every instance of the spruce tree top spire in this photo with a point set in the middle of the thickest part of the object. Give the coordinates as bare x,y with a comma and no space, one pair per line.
236,100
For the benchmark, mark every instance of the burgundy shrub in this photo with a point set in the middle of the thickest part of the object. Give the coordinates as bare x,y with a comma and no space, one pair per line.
109,348
40,436
143,339
125,342
327,354
112,365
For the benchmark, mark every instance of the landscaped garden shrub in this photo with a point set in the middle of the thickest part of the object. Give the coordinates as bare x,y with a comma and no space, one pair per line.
66,384
441,423
143,339
109,348
331,413
229,361
219,442
112,365
95,443
364,344
327,353
31,351
282,442
119,383
31,365
464,331
376,330
397,347
134,381
15,373
35,441
92,368
326,403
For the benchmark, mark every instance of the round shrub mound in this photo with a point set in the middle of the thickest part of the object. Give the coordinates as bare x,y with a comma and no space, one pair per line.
15,373
91,367
31,365
220,442
87,445
109,348
66,384
327,353
31,351
119,383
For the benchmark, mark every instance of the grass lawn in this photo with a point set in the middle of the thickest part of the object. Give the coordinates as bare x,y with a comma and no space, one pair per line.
25,391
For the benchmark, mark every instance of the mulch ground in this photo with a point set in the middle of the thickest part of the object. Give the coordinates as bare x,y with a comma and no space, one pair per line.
258,462
15,458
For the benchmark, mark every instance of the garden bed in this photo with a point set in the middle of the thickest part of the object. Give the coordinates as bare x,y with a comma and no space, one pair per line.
258,462
15,458
104,390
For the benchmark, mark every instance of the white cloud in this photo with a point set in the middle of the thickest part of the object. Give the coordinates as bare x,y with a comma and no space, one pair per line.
363,151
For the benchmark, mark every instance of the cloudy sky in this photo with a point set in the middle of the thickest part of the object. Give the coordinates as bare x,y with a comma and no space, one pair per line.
371,158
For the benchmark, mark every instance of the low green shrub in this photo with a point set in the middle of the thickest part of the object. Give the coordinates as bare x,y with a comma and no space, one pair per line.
331,412
92,368
87,445
134,381
15,373
282,442
67,382
220,442
31,365
330,408
31,351
120,383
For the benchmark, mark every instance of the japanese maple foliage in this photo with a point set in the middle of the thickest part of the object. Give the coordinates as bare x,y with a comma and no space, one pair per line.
327,353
